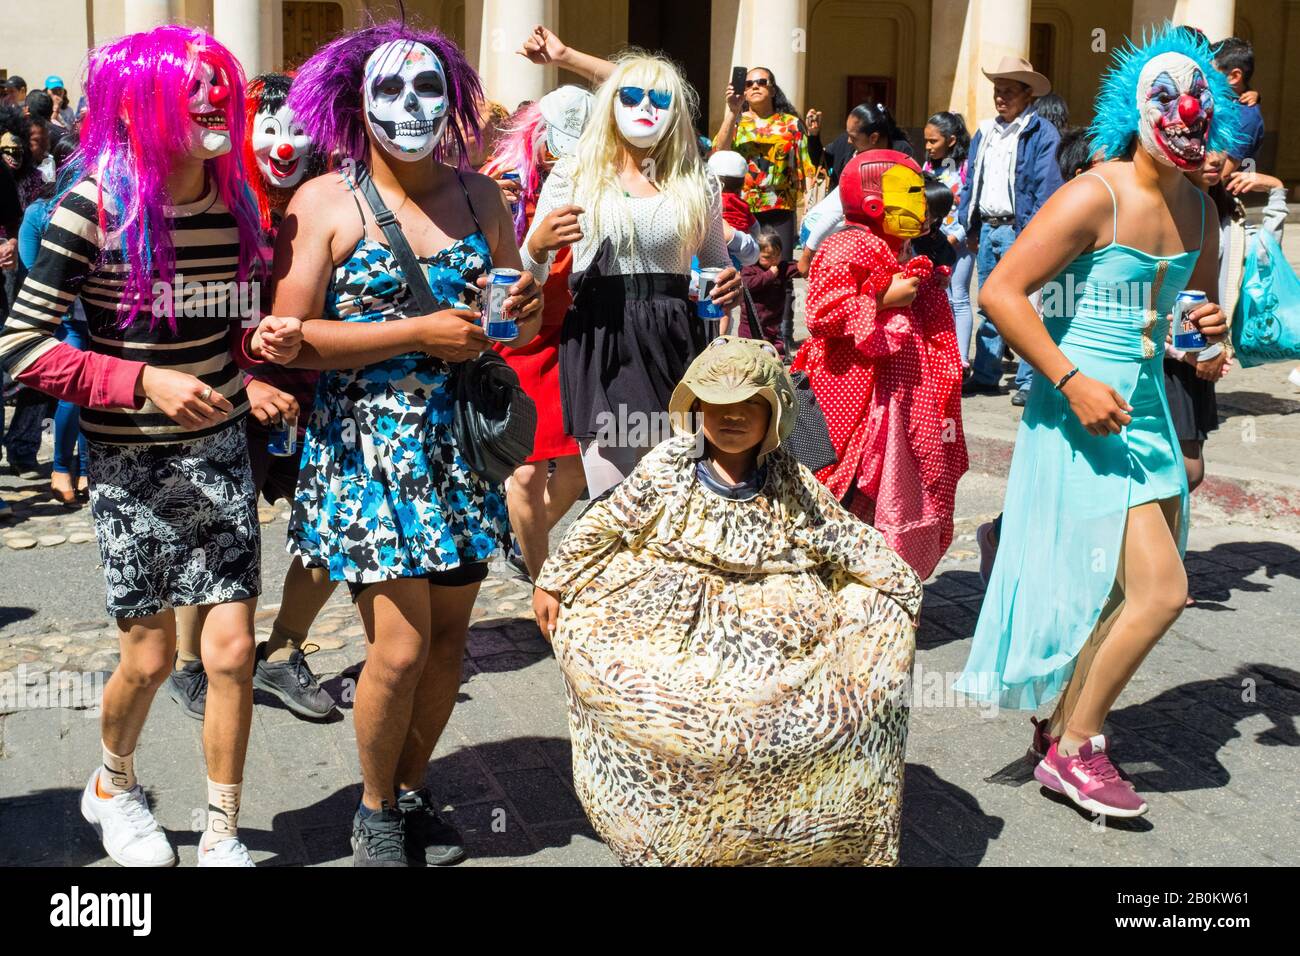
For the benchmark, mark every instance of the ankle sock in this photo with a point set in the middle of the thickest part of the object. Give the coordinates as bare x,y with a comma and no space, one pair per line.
117,775
223,813
282,643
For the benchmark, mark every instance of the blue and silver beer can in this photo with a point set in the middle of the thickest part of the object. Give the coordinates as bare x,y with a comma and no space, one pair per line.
282,439
495,324
706,308
1187,337
514,178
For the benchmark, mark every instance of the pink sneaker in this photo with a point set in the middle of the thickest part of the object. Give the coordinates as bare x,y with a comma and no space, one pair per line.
1090,780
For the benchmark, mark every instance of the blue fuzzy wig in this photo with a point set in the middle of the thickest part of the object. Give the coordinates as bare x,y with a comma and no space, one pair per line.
1114,127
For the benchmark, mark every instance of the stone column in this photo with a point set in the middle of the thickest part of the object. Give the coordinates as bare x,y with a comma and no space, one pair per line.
954,41
1214,17
1003,30
508,78
141,15
775,35
238,25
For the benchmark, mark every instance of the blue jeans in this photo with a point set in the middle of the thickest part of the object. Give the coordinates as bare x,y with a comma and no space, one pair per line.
67,418
959,297
989,347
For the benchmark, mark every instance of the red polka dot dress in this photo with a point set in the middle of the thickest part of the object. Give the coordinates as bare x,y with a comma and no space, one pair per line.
889,383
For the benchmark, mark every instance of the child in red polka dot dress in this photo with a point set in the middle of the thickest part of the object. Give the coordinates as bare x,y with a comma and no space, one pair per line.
883,361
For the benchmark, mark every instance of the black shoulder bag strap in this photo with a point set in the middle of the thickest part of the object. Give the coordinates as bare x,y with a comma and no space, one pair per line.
416,280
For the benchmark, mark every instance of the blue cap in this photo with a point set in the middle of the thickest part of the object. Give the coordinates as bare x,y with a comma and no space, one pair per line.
53,82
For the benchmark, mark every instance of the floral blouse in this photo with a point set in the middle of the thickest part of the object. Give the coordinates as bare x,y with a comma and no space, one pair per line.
777,153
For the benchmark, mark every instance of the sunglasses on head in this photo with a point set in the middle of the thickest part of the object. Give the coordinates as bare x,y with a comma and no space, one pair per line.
761,81
635,95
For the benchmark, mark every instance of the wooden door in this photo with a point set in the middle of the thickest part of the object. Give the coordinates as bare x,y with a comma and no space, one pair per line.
307,26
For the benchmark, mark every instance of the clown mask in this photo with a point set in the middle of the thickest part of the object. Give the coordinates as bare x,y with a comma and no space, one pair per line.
903,192
405,99
209,121
642,115
281,148
1175,108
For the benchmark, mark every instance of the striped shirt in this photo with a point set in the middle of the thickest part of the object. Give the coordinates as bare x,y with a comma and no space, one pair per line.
70,265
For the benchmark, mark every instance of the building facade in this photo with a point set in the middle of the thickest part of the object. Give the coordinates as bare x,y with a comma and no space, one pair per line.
916,56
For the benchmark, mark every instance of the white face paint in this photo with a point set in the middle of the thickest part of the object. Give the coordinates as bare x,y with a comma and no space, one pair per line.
642,124
1175,108
405,99
281,148
209,122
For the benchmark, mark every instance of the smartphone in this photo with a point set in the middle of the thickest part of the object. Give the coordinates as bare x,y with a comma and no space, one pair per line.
738,74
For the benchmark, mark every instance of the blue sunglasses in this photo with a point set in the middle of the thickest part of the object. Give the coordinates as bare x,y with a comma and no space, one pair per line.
635,95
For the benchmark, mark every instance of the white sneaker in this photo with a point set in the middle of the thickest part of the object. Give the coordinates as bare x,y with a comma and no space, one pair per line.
226,853
131,835
1294,377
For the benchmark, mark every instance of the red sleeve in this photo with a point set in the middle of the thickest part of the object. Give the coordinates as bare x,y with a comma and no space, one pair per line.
842,286
241,341
85,378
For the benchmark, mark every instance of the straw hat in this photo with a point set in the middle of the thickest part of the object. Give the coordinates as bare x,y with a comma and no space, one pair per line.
1014,68
732,369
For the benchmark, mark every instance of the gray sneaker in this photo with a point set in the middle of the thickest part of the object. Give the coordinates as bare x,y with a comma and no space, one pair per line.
189,688
379,839
430,840
293,683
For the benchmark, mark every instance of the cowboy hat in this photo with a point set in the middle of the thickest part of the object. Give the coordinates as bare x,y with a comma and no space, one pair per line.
1014,68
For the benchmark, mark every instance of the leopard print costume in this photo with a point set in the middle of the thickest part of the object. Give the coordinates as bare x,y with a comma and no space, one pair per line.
737,672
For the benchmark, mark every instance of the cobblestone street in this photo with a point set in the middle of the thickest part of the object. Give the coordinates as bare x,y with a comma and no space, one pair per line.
1207,729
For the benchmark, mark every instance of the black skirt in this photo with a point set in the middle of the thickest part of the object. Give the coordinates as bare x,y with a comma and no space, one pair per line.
1192,404
625,344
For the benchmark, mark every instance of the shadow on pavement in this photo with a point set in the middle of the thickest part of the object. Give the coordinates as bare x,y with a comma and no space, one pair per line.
12,615
1213,575
943,825
501,813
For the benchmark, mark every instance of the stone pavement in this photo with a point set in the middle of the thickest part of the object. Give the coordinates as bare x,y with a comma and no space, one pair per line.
1207,729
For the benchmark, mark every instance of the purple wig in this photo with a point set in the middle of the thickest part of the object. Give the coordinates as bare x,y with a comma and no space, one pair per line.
520,149
327,99
137,125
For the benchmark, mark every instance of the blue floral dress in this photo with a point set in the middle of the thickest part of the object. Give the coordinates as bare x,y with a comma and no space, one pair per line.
384,492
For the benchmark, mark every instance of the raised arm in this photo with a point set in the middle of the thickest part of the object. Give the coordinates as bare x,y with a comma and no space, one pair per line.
543,47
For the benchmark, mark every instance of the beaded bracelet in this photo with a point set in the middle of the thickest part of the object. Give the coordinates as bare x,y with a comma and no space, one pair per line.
1066,377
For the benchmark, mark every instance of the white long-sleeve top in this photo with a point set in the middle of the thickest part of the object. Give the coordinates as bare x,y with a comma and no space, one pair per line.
658,245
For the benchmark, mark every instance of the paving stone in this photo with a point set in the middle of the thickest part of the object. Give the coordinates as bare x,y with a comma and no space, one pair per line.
50,540
20,542
540,795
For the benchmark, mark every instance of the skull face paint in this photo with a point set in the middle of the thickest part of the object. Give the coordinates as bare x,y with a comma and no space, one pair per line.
641,123
281,147
405,99
1175,108
209,120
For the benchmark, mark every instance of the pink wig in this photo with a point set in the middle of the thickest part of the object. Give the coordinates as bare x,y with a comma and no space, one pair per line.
137,125
326,94
520,148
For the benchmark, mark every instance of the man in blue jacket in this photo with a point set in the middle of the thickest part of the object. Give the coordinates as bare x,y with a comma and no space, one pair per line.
1010,171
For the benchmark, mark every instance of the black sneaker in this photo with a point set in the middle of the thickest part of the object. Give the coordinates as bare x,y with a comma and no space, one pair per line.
379,839
189,688
293,684
973,387
25,469
430,840
515,562
1019,397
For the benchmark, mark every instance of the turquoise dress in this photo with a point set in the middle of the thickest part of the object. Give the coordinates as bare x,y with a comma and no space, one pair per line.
1069,492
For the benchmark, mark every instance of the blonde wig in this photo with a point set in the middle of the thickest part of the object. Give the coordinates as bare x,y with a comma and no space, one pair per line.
673,163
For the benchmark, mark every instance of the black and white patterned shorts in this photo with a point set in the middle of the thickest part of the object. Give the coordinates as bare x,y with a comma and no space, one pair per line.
177,523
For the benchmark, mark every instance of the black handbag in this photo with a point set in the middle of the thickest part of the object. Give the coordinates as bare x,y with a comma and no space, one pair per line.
494,421
810,441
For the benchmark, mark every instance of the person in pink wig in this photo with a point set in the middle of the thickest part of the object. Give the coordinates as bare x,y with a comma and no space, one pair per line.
154,202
